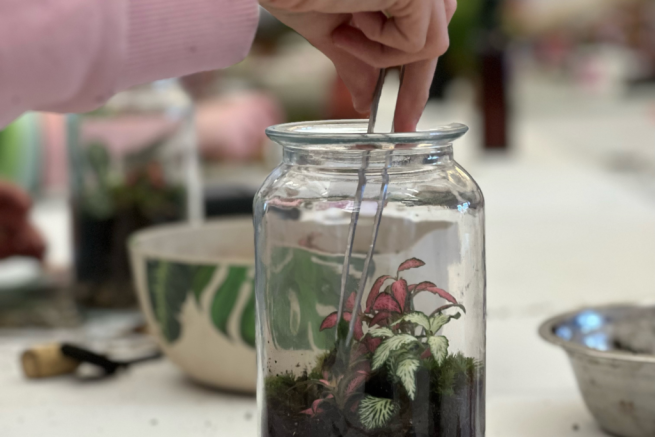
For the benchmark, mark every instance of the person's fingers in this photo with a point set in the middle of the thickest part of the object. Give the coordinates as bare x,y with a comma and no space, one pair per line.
450,7
358,76
334,6
377,55
355,42
414,94
406,31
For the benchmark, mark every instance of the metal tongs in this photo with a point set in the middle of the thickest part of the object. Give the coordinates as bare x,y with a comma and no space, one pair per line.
354,218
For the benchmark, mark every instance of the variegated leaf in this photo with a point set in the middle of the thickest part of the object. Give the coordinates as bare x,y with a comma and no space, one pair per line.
449,306
375,412
406,372
439,347
389,345
381,332
438,321
416,317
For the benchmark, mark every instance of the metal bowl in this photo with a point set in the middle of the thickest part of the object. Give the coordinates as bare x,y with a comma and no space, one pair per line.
612,351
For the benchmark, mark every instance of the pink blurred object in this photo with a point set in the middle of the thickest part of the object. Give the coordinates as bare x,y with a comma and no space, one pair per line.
55,161
231,128
126,134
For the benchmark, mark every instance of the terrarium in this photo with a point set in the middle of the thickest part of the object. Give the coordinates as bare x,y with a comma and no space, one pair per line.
133,165
370,286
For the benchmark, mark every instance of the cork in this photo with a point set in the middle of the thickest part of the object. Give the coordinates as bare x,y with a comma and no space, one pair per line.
47,360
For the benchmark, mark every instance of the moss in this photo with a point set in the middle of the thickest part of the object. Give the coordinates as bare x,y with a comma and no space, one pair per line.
445,404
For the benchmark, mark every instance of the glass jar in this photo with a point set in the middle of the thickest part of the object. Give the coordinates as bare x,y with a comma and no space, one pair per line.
133,165
412,363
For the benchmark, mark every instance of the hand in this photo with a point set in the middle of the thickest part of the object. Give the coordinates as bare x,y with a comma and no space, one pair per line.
359,39
17,236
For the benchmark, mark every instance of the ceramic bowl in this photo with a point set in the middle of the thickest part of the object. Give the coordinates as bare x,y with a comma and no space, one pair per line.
612,351
196,288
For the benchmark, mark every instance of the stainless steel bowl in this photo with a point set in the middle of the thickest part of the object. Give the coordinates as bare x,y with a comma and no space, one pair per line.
612,351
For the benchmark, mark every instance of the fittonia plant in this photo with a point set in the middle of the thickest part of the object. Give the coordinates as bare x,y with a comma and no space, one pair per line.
387,332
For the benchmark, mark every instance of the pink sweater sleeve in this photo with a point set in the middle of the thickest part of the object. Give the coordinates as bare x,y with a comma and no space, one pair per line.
72,55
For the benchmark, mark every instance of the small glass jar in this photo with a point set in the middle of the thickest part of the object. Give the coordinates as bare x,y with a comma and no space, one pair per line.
412,363
133,165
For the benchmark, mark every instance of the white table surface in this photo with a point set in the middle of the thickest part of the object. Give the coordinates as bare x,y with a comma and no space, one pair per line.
561,233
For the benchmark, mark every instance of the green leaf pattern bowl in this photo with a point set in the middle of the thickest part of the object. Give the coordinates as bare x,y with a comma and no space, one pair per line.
196,288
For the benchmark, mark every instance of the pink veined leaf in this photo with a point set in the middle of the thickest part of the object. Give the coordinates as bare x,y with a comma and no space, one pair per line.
443,293
362,366
372,343
385,302
331,320
356,382
350,303
375,291
314,408
354,406
325,382
410,264
420,287
399,290
285,203
359,329
427,354
381,319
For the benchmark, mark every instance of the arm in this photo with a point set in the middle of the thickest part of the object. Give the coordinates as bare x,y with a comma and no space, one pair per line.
73,55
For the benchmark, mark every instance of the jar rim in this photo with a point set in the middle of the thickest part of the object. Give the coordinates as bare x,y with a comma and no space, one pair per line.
353,133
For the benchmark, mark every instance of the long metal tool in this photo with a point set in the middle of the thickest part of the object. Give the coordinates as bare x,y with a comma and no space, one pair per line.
354,218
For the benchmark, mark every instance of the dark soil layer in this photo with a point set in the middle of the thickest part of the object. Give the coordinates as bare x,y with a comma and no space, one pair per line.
449,402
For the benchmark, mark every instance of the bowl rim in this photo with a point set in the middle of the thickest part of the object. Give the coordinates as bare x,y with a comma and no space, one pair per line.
547,334
136,241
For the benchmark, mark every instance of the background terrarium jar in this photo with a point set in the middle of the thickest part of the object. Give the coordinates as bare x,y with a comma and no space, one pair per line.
133,165
409,359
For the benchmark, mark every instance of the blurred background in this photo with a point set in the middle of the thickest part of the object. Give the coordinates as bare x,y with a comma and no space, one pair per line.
560,99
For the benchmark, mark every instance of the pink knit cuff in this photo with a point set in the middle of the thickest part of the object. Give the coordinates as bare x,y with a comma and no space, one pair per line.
172,38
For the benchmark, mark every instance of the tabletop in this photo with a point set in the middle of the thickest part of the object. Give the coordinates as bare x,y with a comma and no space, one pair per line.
562,233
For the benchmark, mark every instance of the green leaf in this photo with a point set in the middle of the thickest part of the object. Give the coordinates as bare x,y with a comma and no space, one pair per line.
305,282
381,332
168,286
201,278
248,321
226,297
416,317
439,347
375,412
406,372
389,345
